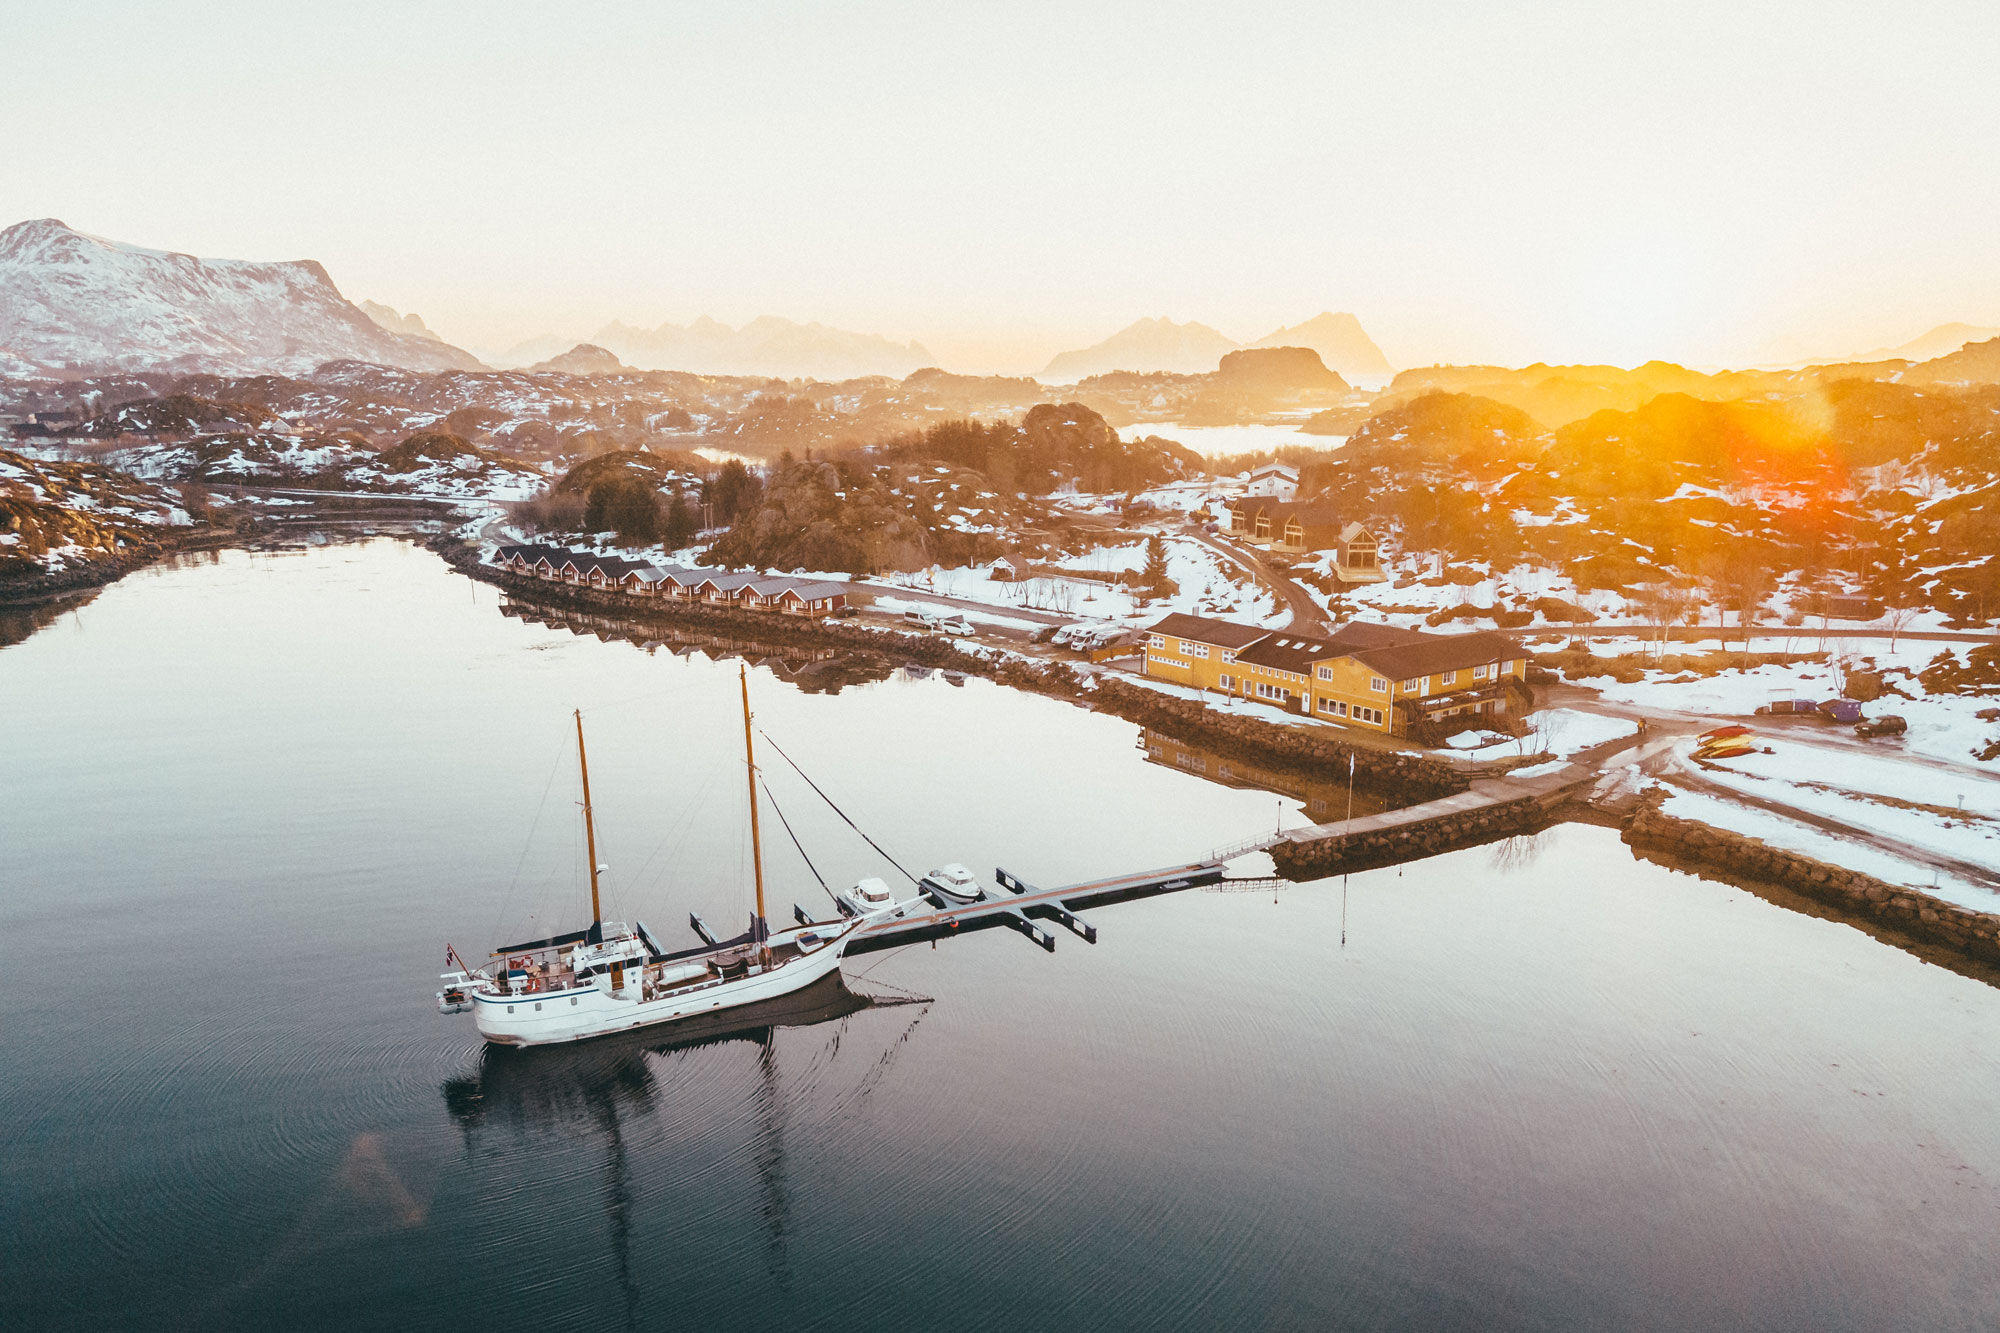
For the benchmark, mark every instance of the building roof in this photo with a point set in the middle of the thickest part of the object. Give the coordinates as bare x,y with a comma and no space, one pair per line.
1202,629
728,582
1289,652
819,589
1274,469
1438,652
1310,513
1392,651
1358,634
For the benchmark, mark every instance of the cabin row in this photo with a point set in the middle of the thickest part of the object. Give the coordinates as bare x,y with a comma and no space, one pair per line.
1300,527
1399,681
786,594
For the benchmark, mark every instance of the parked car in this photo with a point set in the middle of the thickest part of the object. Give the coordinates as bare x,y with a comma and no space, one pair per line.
1889,724
921,619
954,625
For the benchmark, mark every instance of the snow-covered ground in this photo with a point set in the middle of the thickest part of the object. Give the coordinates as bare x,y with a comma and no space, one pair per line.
1829,847
1875,792
1207,586
1942,726
896,605
1567,731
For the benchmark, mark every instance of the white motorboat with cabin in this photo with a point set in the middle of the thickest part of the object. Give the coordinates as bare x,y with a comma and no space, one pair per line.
954,883
608,978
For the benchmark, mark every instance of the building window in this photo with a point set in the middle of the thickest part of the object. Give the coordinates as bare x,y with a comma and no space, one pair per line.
1377,684
1414,686
1481,672
1332,707
1197,650
1326,673
1371,715
1448,678
1156,641
1228,654
1226,682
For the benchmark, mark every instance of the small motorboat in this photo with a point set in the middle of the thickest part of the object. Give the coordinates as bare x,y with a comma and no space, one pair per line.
1724,733
1729,747
867,897
953,883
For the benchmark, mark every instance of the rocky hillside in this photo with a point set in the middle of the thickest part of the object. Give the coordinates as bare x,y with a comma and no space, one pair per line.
1343,345
582,359
71,302
57,517
1884,488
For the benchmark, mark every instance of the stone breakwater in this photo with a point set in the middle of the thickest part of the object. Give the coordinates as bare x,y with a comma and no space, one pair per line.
1315,854
1406,777
1314,750
1727,855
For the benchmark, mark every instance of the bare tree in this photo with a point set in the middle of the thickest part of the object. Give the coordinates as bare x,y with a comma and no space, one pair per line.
1898,619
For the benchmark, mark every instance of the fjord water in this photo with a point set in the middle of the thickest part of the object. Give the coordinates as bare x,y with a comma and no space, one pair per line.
245,803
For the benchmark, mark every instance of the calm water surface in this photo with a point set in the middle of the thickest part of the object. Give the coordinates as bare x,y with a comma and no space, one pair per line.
244,805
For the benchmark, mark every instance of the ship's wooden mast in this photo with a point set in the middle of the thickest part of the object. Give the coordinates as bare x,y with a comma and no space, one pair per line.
589,832
757,927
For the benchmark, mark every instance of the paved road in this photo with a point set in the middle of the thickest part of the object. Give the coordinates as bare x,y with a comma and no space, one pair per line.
965,604
1670,763
1307,618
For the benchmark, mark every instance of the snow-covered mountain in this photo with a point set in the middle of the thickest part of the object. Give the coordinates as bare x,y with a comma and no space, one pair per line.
765,346
71,302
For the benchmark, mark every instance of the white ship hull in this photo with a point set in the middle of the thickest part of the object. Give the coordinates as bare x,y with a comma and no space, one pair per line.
595,1009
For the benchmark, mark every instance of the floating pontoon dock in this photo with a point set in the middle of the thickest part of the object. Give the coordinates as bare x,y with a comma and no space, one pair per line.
1021,906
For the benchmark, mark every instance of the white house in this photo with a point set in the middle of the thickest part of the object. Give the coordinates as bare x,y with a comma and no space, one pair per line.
1279,481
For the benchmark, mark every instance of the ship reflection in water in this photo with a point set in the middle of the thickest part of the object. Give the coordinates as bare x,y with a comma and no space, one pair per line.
1323,796
630,1108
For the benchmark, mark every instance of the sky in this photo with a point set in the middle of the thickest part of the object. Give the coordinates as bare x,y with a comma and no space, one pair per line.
1720,184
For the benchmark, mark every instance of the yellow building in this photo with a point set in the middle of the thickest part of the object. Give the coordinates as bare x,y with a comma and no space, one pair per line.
1362,675
1197,651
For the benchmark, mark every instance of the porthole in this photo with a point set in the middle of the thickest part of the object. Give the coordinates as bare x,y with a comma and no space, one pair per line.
510,1008
572,999
538,1006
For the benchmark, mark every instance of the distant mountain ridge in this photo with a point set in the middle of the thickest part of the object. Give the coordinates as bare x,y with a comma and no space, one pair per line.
71,302
768,345
1151,345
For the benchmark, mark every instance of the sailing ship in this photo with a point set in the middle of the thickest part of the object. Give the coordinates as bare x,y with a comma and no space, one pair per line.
610,978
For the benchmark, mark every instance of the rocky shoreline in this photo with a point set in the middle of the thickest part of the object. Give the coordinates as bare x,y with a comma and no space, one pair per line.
1407,777
1372,849
1722,854
102,572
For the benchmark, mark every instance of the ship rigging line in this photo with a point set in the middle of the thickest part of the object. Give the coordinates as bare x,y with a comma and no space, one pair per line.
779,812
836,809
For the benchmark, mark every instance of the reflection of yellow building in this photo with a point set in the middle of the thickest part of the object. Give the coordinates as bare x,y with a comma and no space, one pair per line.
1362,675
1322,801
